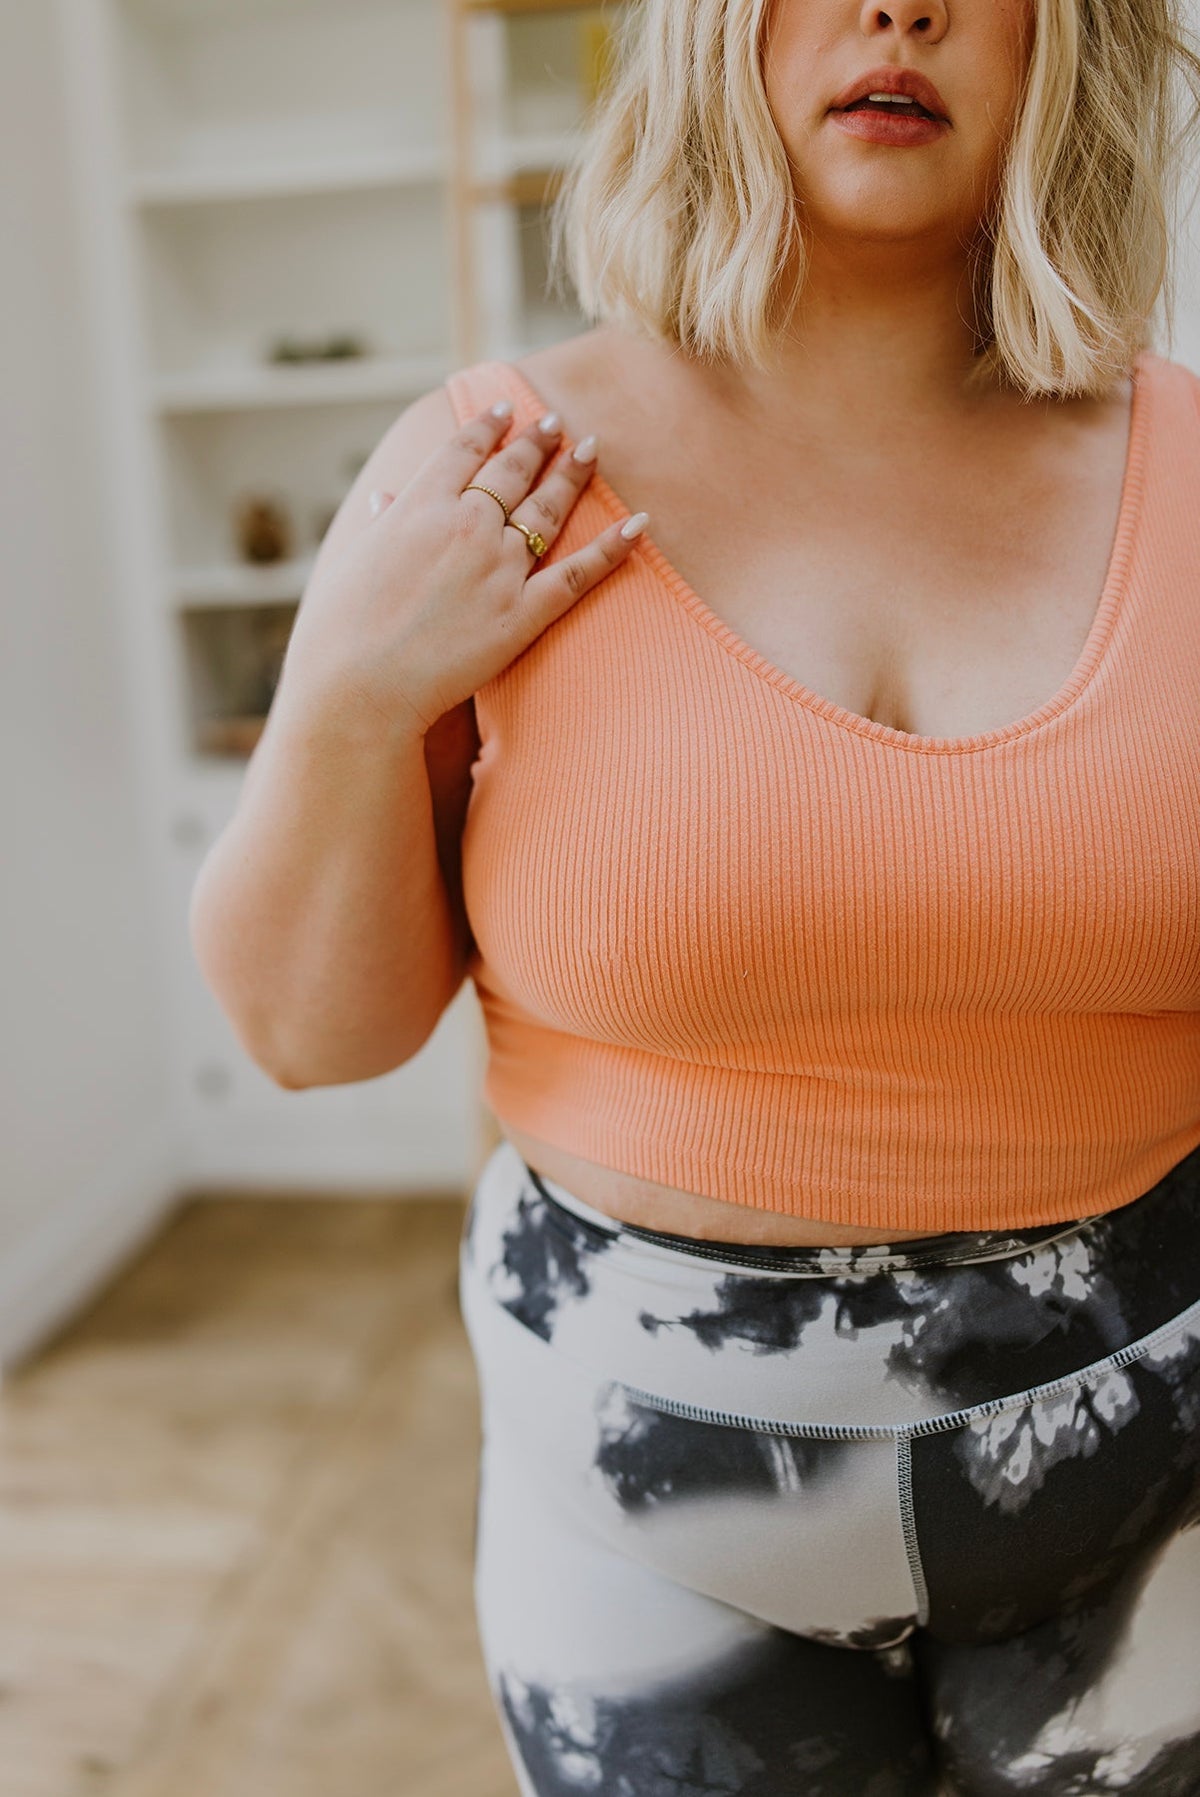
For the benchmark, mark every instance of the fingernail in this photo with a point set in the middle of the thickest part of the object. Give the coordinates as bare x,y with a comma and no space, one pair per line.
585,451
633,527
549,423
375,501
502,408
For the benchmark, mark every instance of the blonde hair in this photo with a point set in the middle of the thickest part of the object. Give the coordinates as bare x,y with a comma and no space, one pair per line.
676,212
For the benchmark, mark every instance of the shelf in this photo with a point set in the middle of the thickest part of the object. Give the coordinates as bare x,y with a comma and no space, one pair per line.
521,171
530,150
204,186
220,85
234,658
295,171
504,172
326,383
242,583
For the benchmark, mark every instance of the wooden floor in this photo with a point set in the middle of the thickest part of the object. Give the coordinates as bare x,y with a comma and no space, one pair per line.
236,1518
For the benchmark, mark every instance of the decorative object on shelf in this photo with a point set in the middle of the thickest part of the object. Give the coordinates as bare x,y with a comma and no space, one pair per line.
339,346
344,343
237,656
263,529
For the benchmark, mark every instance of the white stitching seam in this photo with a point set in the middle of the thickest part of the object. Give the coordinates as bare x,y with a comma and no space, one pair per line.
908,1521
930,1425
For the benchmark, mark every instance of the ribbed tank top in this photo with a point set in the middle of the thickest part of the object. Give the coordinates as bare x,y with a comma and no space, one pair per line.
734,938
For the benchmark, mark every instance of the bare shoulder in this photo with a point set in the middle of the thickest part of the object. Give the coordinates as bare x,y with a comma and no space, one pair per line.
572,365
597,379
413,436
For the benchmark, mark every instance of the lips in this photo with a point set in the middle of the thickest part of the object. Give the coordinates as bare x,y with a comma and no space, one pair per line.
890,80
913,109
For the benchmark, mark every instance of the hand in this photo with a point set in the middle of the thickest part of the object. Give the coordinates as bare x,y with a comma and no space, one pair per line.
439,594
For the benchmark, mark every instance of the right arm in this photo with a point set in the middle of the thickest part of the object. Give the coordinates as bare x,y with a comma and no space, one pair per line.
328,917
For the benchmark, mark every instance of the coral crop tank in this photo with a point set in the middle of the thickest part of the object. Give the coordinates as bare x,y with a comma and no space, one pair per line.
731,937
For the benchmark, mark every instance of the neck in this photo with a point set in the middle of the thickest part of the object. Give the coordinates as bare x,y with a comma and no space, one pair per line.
873,329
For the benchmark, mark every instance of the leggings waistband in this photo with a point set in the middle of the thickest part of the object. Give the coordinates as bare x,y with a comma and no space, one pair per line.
832,1338
948,1248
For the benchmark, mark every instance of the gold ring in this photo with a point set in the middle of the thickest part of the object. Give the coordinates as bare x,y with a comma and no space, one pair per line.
474,487
534,538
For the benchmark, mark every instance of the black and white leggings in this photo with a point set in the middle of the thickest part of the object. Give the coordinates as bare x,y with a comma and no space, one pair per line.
820,1522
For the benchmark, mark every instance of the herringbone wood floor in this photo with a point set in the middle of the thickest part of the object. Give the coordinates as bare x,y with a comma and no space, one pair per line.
236,1515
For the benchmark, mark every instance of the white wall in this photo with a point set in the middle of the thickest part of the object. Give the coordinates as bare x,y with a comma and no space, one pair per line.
84,1158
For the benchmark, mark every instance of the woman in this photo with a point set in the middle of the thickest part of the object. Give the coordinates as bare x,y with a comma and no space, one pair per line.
835,1292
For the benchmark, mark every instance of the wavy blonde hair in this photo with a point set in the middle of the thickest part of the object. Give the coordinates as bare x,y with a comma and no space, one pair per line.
676,211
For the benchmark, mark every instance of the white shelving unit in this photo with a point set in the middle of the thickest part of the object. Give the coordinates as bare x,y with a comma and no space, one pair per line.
523,73
266,174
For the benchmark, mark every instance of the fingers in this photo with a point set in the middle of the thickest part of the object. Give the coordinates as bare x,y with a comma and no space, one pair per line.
553,590
546,507
474,448
517,464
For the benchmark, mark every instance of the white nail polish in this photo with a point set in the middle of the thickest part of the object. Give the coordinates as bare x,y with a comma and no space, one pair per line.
633,527
549,422
502,408
585,451
375,502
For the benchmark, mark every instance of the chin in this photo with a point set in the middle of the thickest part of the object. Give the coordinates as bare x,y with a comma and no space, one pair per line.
882,225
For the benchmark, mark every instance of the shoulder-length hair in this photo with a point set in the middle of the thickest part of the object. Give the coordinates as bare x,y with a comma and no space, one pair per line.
676,211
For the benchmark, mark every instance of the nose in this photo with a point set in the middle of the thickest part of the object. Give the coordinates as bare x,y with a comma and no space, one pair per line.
925,19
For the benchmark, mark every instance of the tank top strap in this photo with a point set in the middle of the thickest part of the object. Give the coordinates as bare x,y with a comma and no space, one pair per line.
472,389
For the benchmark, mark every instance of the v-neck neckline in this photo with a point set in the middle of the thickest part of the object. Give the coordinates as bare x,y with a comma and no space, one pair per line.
1089,661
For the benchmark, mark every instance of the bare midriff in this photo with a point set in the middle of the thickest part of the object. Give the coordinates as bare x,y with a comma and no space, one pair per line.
653,1206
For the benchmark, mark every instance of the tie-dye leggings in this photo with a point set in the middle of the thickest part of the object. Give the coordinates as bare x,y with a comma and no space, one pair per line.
816,1522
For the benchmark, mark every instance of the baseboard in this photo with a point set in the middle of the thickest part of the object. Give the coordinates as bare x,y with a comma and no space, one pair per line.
72,1253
